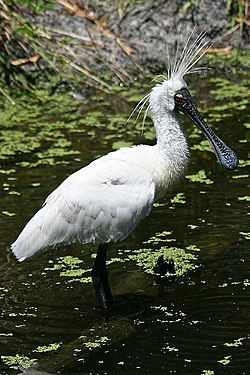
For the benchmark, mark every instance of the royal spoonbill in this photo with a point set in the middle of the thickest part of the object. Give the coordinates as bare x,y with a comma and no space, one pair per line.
104,201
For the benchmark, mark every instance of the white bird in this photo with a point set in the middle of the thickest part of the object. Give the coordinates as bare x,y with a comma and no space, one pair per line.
104,201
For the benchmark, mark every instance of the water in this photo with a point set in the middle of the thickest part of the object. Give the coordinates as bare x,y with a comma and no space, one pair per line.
196,323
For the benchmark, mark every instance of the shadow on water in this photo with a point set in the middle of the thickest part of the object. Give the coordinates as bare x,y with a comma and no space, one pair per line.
195,323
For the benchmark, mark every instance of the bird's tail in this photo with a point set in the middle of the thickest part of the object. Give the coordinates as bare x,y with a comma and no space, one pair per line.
36,236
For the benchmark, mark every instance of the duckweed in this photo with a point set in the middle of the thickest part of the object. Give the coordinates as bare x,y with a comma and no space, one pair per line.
199,177
47,348
96,342
246,235
147,259
69,268
236,343
8,213
226,360
16,361
179,198
160,237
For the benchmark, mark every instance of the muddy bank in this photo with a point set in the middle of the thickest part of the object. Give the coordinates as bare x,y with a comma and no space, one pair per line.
120,39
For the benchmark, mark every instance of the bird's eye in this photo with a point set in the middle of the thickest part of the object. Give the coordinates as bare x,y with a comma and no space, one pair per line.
178,97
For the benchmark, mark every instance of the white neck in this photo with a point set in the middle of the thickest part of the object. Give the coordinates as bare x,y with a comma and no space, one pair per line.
171,141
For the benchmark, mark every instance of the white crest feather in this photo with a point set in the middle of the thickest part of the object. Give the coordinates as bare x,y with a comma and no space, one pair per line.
190,55
182,64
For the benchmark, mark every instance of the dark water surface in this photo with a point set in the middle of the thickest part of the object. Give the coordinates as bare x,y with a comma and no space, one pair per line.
197,323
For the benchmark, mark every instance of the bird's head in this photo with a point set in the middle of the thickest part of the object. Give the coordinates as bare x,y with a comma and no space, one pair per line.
163,94
172,95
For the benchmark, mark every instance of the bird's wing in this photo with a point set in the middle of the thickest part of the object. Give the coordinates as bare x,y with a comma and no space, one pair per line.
101,203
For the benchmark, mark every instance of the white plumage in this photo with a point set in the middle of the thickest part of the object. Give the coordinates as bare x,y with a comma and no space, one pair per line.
104,201
100,203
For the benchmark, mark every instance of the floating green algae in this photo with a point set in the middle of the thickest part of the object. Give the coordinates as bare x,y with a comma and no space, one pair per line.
193,226
178,198
236,343
160,237
47,348
228,89
170,314
3,292
203,145
69,267
8,213
199,177
244,284
119,144
245,234
147,259
226,360
94,342
241,176
17,360
244,163
244,198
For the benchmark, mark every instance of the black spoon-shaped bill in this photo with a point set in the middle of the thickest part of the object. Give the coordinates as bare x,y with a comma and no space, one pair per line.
225,155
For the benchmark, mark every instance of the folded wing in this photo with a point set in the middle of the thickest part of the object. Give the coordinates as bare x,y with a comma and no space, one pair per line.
100,203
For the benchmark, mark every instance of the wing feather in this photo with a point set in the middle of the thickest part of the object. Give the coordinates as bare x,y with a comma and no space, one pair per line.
102,202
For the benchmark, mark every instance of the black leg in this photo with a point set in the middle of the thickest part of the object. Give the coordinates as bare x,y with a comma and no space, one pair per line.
100,278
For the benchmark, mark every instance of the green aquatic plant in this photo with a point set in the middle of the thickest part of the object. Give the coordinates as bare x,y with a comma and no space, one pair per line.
95,342
226,360
178,198
15,361
147,259
70,269
3,292
246,235
199,177
236,343
8,213
160,237
240,176
202,146
244,198
47,348
228,90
